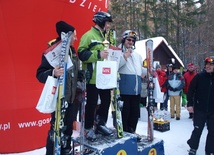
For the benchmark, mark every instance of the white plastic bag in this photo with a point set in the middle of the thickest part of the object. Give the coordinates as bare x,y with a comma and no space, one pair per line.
106,76
48,97
157,94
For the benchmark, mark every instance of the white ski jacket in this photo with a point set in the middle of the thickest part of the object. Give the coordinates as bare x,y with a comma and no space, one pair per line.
130,74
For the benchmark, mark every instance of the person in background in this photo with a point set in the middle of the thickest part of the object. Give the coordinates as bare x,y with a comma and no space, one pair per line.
91,50
130,70
188,76
161,75
144,84
144,91
183,95
201,102
184,70
166,95
45,70
175,84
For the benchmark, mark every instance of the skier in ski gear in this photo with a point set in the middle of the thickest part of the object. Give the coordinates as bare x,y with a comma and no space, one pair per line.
201,101
45,70
130,69
188,76
91,50
175,85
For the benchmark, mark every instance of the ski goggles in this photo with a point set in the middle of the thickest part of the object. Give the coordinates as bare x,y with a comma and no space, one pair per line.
209,60
130,34
132,40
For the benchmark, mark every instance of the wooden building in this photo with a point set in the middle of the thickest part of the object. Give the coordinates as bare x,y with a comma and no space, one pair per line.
163,53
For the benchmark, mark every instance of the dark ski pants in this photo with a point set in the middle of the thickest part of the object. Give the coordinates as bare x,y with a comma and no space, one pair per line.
68,122
199,120
91,104
130,112
165,103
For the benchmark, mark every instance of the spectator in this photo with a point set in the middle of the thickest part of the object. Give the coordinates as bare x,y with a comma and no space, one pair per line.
144,91
175,84
161,75
200,101
166,95
188,76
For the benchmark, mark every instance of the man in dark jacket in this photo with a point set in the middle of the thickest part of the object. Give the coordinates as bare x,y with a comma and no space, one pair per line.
44,70
201,101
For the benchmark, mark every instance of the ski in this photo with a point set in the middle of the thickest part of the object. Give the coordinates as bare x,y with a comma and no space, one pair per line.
149,59
117,103
82,128
60,138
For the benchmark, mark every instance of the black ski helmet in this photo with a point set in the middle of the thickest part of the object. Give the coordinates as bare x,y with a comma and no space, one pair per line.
209,60
100,18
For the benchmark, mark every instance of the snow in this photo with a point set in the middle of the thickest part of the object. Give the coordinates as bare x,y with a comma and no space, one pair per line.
174,139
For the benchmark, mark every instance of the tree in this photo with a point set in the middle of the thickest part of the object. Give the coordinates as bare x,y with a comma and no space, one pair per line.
185,24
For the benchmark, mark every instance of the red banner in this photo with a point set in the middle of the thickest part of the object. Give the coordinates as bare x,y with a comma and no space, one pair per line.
26,27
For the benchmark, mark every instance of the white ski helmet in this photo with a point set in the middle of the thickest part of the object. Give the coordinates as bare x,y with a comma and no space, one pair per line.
129,33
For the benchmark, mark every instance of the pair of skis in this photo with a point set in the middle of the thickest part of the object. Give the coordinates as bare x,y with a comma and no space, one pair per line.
150,107
117,103
60,139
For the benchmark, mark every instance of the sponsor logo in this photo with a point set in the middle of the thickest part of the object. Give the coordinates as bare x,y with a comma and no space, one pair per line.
53,90
106,70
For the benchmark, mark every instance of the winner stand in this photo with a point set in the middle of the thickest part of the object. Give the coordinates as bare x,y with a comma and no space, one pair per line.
111,145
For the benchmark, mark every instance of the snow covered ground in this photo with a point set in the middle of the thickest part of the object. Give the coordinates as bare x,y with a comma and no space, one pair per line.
174,139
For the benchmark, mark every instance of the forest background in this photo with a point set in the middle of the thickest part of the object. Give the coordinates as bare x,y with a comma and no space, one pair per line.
187,25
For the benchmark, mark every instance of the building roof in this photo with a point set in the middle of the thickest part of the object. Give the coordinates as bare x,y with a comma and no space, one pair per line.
162,51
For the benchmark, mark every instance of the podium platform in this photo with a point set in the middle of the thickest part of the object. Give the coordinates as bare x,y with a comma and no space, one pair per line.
111,145
128,145
156,147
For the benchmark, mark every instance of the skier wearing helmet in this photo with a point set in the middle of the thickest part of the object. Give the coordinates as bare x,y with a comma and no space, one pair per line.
130,69
201,101
91,50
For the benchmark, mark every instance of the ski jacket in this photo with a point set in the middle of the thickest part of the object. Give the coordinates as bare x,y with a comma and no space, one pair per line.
175,81
201,92
188,76
45,69
130,71
91,44
161,75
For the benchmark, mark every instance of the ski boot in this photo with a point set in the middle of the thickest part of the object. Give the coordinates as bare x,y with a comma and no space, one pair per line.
90,135
192,152
101,127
